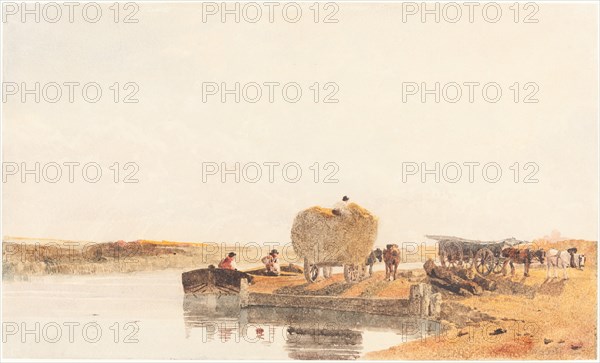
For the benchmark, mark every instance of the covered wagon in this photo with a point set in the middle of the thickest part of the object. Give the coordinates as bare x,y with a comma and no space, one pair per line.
325,239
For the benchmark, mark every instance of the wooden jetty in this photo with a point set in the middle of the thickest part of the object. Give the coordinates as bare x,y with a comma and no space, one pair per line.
422,302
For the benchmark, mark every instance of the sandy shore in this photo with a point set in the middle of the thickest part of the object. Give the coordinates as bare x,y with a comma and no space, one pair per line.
537,318
558,322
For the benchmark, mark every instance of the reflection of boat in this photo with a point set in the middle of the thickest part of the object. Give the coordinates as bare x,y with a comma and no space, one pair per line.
206,310
213,281
203,307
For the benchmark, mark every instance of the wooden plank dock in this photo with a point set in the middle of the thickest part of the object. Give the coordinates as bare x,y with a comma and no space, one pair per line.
421,302
217,282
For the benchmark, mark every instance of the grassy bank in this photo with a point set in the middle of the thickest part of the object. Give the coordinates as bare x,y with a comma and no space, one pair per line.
21,260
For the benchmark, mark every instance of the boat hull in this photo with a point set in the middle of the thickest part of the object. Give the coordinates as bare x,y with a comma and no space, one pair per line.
213,281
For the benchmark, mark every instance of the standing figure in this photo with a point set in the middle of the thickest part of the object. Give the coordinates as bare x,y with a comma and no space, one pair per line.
580,261
572,251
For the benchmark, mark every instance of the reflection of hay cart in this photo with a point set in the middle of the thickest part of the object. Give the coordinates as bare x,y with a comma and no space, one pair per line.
485,256
326,240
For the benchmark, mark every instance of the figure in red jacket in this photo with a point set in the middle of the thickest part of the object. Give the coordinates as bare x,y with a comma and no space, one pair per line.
228,263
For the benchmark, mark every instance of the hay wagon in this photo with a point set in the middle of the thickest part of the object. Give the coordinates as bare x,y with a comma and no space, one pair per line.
325,240
485,256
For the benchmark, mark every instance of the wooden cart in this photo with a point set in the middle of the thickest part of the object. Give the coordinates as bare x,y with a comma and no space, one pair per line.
485,256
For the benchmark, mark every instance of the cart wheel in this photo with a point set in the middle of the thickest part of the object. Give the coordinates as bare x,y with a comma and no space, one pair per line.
469,261
311,271
484,261
352,273
363,271
451,255
498,266
443,258
326,272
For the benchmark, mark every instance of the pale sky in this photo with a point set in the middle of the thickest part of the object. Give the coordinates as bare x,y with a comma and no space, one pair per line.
369,133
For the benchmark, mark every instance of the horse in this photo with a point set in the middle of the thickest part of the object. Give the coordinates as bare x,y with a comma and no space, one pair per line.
560,259
391,256
374,256
524,256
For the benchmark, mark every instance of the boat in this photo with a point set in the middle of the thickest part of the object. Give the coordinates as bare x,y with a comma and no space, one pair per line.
214,281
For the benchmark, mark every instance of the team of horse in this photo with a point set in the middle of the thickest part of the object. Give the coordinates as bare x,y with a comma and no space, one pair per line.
554,259
521,256
563,259
390,256
376,255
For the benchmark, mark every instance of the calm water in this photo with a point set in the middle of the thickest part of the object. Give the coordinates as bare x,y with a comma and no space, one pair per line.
147,316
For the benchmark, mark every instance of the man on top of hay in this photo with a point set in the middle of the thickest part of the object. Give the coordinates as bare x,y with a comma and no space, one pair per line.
340,208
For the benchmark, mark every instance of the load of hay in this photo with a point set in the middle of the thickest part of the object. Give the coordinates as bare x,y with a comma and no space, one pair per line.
323,237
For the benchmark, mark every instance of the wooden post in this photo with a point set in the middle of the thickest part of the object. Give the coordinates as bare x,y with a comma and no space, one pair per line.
435,307
244,293
422,302
414,301
425,300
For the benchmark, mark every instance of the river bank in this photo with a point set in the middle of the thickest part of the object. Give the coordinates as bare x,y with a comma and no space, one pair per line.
525,318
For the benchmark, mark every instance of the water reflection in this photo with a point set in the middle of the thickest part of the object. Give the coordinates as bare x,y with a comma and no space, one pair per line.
302,333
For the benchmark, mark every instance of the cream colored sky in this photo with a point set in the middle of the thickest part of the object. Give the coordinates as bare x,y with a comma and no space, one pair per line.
369,133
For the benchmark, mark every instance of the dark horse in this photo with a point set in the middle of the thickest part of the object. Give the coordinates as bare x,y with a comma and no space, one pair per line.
374,256
391,256
524,256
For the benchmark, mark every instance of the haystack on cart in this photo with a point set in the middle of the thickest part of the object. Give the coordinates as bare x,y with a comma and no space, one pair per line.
485,256
325,240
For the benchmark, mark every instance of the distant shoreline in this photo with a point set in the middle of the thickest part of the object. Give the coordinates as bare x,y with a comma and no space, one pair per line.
25,256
